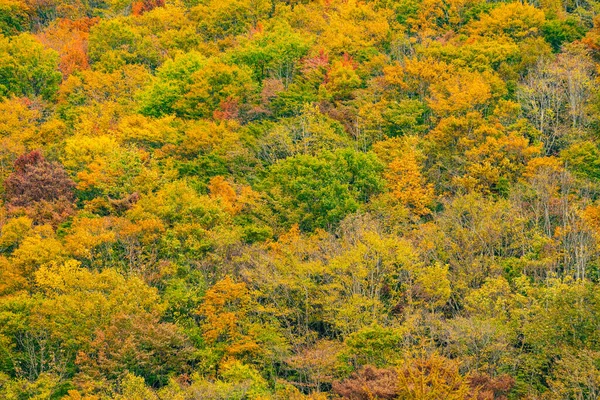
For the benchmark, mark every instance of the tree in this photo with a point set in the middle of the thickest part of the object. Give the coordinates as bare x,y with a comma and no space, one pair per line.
14,17
218,90
369,383
273,52
299,199
140,7
318,191
217,20
514,20
40,186
431,377
75,321
577,376
342,80
114,43
27,68
173,80
553,96
311,132
225,308
556,32
404,179
136,344
70,40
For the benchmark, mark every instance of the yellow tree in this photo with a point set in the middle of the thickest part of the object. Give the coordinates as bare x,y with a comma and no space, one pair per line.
406,183
432,377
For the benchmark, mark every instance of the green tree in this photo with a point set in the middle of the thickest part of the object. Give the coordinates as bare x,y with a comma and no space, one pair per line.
318,191
27,68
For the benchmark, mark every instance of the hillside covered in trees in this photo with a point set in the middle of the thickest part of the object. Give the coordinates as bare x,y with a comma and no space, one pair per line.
299,199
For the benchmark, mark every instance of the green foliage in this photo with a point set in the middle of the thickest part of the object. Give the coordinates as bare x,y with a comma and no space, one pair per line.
373,345
319,191
583,159
218,20
173,79
27,68
275,52
557,32
113,43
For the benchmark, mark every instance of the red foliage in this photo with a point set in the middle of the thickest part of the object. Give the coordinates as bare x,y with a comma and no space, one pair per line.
81,24
319,61
228,110
348,61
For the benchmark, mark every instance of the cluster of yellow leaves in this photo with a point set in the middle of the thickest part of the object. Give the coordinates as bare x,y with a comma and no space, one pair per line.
515,20
344,26
404,179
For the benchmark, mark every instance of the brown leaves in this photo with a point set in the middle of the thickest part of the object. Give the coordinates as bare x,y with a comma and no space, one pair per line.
489,388
40,187
431,377
369,383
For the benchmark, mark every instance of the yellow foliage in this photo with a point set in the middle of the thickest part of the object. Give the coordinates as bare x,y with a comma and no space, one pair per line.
87,298
491,299
393,75
459,93
433,285
545,165
206,137
81,151
431,378
75,395
14,230
224,295
516,20
11,278
391,149
134,388
87,234
421,73
18,131
140,129
37,250
350,25
406,183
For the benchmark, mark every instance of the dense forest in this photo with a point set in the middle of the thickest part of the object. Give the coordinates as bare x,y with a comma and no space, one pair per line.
299,199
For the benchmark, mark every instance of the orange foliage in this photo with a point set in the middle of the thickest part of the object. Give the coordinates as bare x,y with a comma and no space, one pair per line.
140,7
70,40
225,307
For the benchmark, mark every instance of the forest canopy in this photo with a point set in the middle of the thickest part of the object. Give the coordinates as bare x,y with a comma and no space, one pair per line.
299,199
